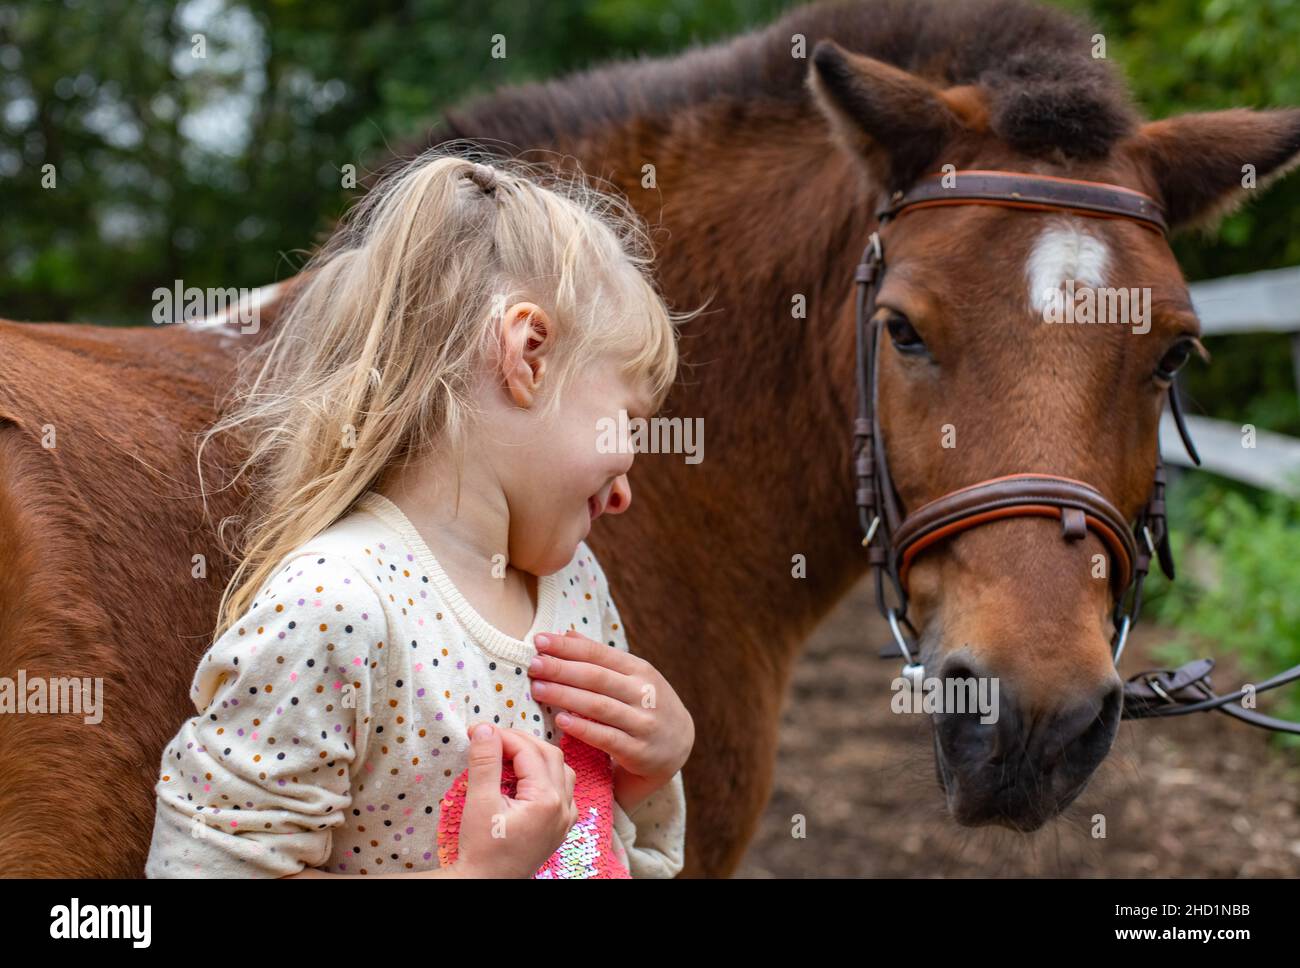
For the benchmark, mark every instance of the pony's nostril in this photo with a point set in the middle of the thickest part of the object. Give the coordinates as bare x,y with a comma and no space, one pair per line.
1101,731
966,741
1098,734
960,665
956,669
973,730
1081,736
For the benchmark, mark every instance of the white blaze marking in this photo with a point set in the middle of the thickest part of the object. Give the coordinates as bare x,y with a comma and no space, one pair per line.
1065,250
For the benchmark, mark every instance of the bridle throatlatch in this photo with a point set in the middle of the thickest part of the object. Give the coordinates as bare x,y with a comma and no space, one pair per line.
894,540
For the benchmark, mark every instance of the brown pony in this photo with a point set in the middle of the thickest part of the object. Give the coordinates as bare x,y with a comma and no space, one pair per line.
769,155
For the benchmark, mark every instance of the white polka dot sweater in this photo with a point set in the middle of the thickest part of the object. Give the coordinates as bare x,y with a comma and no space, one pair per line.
332,716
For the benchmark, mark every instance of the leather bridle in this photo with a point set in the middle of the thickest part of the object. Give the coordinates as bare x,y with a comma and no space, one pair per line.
894,540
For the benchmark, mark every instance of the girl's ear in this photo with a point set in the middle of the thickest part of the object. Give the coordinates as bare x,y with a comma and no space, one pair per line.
526,339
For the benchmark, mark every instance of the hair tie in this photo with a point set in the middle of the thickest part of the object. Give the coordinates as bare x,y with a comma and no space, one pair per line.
484,176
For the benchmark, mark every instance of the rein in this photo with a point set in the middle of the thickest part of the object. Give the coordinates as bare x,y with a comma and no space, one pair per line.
894,540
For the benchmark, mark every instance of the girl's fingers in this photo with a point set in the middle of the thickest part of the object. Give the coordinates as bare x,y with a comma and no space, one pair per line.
574,645
586,675
592,705
533,758
551,753
484,780
525,758
532,771
613,741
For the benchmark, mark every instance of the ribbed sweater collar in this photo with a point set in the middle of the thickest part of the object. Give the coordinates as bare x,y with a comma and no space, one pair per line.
487,636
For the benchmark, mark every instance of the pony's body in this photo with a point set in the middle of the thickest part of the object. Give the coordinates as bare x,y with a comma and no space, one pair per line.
97,530
762,201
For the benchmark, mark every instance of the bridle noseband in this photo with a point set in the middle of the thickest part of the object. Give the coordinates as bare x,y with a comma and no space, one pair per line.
894,540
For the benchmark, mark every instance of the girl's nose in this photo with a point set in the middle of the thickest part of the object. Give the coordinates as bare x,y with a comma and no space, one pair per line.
620,496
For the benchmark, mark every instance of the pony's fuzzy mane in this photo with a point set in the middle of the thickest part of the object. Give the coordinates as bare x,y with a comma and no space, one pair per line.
1046,91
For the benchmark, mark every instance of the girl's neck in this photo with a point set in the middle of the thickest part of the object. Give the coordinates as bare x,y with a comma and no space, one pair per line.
469,537
464,530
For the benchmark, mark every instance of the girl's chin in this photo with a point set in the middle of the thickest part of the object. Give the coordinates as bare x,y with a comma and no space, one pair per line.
560,560
563,556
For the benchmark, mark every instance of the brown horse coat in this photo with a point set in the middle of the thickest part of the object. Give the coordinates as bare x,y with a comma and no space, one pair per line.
763,207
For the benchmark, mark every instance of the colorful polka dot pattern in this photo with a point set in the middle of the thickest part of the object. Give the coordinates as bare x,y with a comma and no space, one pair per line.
332,719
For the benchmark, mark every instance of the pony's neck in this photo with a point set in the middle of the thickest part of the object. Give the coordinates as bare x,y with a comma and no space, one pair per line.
760,220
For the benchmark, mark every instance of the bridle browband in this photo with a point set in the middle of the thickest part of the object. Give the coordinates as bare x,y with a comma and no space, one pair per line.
894,540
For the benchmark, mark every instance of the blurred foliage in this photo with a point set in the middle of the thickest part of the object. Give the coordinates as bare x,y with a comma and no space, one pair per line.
223,169
215,167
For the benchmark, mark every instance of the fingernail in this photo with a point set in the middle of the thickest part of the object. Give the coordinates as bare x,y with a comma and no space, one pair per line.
482,731
562,720
542,640
537,665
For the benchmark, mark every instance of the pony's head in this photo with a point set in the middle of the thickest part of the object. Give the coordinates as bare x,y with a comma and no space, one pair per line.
995,362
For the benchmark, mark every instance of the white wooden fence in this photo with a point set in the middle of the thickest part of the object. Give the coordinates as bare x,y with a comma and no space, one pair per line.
1260,302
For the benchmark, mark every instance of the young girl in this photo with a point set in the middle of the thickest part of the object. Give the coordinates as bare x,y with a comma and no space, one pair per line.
416,600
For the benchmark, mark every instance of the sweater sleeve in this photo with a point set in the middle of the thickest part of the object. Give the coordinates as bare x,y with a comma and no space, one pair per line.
653,835
254,785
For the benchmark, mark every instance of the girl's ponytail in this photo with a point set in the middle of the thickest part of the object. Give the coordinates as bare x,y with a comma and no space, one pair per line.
377,358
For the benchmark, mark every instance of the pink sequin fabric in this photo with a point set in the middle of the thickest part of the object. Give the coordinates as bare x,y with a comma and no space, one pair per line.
589,850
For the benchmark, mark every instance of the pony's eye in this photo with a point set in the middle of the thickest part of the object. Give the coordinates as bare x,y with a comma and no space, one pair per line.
904,335
1174,359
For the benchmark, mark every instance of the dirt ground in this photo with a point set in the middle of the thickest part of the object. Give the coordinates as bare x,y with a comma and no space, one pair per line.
1194,796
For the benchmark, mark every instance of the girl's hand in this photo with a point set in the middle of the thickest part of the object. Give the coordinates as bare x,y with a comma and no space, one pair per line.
501,837
622,705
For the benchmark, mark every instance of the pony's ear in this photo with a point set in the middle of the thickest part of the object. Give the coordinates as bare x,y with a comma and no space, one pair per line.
1206,165
893,121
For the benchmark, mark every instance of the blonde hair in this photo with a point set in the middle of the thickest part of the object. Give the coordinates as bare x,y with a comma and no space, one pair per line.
375,359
